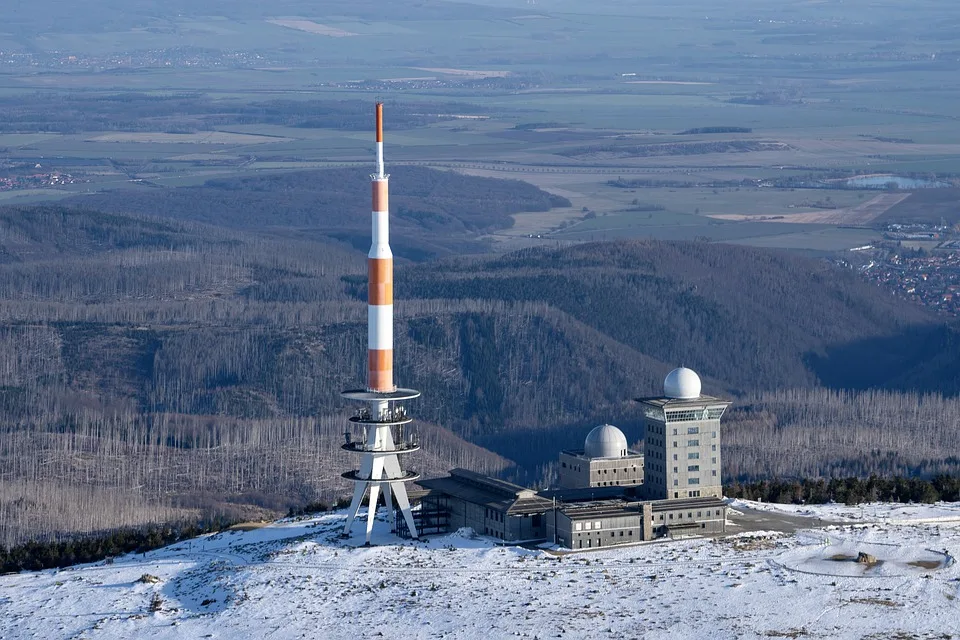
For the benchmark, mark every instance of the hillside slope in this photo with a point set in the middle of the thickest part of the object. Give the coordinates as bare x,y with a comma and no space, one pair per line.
195,367
432,212
755,319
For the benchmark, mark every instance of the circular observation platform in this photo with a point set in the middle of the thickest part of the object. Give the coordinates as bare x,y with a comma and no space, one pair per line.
380,396
389,422
361,447
406,477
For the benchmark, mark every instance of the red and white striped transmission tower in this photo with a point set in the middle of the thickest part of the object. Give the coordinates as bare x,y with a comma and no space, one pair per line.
383,440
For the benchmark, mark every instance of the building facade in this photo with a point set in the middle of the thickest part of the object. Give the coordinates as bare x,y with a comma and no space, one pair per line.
604,461
487,505
607,522
682,440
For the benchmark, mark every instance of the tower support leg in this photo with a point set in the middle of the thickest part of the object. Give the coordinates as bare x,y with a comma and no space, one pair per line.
372,509
358,490
392,467
376,473
388,500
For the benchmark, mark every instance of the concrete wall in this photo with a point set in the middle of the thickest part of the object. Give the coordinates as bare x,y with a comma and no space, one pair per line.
527,527
483,520
610,472
585,531
578,472
574,471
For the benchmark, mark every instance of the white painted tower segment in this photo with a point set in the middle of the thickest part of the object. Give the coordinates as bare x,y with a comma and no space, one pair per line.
380,326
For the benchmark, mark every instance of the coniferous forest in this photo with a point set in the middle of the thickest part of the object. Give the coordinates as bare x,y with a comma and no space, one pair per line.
169,370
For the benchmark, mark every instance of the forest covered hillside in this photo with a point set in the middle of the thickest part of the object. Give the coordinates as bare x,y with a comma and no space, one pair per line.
432,212
171,368
753,319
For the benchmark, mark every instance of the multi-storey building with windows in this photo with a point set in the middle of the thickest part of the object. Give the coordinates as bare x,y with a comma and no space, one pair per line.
682,440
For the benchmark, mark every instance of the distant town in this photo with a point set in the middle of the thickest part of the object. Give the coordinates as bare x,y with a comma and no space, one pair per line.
176,57
38,180
919,262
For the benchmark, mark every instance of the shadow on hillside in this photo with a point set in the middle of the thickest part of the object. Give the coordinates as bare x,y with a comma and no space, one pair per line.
534,449
921,359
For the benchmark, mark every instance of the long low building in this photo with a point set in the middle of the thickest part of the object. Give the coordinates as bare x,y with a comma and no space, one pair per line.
585,522
583,518
487,505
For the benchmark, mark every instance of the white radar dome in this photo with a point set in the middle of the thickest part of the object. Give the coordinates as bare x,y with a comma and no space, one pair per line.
605,441
682,384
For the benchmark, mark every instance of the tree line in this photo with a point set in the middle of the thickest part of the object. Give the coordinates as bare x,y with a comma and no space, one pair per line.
37,555
851,490
188,112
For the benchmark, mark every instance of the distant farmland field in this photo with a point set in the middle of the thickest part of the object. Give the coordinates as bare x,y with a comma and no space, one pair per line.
206,137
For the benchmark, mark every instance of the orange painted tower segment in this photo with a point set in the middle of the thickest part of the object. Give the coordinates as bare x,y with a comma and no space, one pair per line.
380,370
381,195
379,122
380,285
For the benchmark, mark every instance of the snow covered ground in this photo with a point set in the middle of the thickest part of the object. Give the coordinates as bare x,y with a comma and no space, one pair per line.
868,512
296,579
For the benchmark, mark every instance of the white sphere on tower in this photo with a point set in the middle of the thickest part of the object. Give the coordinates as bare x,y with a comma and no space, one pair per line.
682,384
605,441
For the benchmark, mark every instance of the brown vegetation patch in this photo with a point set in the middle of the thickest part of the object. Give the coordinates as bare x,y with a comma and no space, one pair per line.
619,151
754,544
926,564
312,27
248,526
862,214
473,74
883,602
842,557
789,633
205,137
666,82
926,205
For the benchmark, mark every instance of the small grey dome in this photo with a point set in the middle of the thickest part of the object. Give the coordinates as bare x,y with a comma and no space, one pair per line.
605,441
682,384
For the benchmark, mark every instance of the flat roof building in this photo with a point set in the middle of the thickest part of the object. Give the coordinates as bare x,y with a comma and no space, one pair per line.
584,520
682,440
604,461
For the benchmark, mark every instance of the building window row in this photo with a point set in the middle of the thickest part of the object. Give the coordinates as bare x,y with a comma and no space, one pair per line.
493,514
683,416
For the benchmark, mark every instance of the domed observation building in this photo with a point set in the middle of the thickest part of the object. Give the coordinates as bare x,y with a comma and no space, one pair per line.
682,440
604,461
